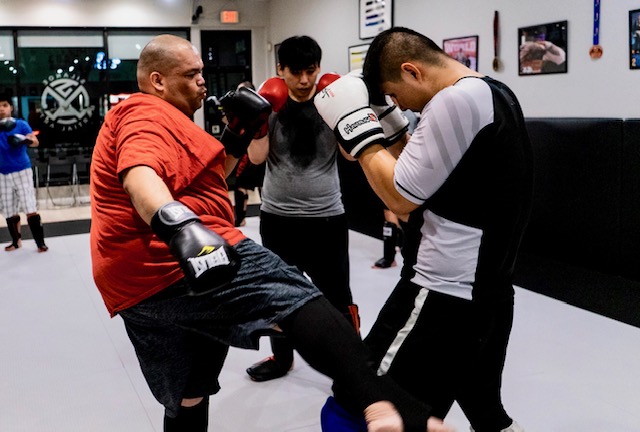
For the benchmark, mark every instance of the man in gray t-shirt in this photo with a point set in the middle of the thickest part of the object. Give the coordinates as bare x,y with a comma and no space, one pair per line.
302,218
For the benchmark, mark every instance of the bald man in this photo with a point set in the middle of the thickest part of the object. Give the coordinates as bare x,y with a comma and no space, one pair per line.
168,260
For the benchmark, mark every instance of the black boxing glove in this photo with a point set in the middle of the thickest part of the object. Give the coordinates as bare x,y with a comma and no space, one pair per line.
7,124
18,140
246,112
206,259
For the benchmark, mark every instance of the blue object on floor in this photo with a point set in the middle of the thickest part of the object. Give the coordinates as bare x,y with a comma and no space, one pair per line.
334,418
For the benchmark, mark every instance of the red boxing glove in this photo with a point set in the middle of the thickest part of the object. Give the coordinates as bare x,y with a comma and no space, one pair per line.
274,90
325,80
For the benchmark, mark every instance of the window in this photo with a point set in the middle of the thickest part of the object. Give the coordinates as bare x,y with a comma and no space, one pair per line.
61,90
64,81
8,69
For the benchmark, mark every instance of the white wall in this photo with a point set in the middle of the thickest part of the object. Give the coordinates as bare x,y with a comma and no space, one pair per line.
95,13
602,88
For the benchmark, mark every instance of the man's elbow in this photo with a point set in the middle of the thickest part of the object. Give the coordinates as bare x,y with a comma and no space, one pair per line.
400,206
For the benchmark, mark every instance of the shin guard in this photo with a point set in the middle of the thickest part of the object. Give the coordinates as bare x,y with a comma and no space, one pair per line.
13,225
191,419
239,207
390,236
37,230
390,240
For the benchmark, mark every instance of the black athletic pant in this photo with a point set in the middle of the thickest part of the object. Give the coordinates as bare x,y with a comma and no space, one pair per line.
319,247
443,349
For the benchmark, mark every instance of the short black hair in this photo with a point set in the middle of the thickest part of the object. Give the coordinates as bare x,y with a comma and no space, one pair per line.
298,53
5,96
393,47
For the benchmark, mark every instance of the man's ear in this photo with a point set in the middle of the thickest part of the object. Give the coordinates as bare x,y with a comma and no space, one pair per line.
280,70
411,70
157,80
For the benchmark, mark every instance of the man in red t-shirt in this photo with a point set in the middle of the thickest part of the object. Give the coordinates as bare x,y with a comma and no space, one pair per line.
187,284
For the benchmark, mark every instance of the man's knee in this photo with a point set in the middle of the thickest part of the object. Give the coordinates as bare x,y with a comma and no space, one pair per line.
190,402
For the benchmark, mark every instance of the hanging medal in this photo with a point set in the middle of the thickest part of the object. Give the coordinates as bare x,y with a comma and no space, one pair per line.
595,52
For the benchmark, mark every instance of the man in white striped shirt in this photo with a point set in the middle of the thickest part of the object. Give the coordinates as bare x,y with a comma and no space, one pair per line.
465,178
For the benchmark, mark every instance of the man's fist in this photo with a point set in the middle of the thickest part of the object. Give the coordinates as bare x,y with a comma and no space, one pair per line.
344,106
246,112
18,140
207,260
7,124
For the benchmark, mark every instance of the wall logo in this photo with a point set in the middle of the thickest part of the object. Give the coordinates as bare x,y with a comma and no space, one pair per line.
65,102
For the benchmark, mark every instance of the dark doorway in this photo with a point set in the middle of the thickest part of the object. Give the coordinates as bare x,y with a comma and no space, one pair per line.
227,62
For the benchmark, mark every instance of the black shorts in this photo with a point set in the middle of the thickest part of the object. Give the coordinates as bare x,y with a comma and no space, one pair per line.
182,341
443,349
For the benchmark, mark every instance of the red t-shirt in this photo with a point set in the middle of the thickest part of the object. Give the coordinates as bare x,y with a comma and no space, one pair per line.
129,262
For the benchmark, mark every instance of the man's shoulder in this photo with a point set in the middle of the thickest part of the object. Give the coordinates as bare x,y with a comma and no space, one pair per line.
141,107
22,126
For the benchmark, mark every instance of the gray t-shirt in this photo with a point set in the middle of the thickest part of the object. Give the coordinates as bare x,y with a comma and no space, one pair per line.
301,176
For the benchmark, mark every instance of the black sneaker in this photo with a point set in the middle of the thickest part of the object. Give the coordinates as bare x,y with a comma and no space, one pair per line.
267,370
384,263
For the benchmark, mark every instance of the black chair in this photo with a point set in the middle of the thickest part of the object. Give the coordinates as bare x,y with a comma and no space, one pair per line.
38,165
61,172
81,171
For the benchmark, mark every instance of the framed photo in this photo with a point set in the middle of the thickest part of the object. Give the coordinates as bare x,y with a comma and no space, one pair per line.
357,53
276,48
464,49
542,49
634,39
375,16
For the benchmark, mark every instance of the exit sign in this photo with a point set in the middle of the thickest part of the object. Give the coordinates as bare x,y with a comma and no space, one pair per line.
229,17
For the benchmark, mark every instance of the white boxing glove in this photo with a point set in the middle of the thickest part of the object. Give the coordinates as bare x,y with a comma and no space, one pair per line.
344,106
394,122
392,119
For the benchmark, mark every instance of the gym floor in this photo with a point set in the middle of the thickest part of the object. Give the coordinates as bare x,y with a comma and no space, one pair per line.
66,366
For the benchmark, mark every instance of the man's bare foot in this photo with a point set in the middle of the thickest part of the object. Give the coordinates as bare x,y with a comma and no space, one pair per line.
437,425
383,417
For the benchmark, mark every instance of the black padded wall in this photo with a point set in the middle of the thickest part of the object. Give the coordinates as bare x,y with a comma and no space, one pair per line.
576,212
630,201
586,210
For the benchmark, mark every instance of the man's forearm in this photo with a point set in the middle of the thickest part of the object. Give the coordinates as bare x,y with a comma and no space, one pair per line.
147,191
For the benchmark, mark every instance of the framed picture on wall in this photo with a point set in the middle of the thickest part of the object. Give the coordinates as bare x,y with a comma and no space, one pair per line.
375,16
542,49
357,53
276,48
464,49
634,39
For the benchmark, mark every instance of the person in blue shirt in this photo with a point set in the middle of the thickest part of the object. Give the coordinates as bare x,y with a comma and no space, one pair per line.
16,176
